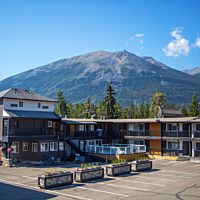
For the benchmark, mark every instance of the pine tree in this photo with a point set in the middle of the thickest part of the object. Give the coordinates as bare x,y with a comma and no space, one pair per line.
184,110
61,107
110,102
194,109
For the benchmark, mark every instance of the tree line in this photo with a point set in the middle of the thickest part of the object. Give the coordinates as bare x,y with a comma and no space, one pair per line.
110,108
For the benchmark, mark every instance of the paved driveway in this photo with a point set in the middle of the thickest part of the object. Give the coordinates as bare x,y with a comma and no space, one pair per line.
168,180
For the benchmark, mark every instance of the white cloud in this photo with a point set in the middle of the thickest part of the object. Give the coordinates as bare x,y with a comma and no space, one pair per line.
179,45
197,43
139,35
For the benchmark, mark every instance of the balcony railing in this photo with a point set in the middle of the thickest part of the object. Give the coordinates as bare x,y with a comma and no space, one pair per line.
144,133
116,149
185,133
23,132
87,134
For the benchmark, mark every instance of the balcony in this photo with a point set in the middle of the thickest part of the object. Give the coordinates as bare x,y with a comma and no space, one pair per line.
178,134
85,134
144,133
30,134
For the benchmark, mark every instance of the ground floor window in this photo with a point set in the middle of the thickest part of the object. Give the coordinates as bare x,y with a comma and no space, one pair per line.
173,145
44,147
25,146
198,146
61,146
53,146
15,146
34,147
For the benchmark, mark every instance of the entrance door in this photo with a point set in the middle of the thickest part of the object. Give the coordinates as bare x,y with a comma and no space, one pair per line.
186,148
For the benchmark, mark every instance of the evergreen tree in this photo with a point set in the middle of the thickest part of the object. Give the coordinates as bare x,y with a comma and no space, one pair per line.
88,109
194,109
110,102
157,100
184,110
61,106
101,110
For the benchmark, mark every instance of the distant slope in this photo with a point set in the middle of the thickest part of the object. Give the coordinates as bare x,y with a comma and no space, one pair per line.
133,77
194,71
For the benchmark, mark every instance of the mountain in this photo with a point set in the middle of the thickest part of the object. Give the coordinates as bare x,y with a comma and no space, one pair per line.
134,78
194,71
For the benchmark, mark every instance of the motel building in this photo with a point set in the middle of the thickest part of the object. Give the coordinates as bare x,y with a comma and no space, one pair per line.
34,132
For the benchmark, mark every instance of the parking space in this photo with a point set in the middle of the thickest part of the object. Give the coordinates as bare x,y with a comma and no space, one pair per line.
167,180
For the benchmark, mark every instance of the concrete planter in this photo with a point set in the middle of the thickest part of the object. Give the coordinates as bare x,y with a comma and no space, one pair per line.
118,169
84,175
55,180
141,165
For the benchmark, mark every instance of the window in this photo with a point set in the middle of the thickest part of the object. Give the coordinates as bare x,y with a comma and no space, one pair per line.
45,107
49,124
5,123
136,127
53,146
44,147
21,104
38,105
13,105
15,147
172,127
81,127
25,146
197,127
173,145
91,127
61,146
34,147
198,146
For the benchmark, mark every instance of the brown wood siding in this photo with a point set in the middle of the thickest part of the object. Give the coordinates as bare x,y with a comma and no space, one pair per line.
155,129
155,146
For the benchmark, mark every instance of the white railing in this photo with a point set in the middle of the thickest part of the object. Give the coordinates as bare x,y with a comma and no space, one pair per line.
116,149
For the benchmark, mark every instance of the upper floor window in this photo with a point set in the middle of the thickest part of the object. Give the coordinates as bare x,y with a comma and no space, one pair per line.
45,107
34,147
172,127
38,105
13,105
197,127
91,127
44,147
21,104
15,146
81,127
53,146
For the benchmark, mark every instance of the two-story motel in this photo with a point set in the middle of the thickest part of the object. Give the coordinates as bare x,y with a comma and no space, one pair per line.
29,125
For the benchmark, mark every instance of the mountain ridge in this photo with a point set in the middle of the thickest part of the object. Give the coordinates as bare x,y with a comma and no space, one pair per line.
80,77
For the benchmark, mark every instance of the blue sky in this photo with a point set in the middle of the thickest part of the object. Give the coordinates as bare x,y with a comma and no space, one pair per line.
37,32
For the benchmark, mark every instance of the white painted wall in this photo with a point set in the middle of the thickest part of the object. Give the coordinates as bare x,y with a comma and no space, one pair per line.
27,105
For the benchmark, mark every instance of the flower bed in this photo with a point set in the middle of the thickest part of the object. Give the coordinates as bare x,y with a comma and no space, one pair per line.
88,173
141,165
118,168
50,180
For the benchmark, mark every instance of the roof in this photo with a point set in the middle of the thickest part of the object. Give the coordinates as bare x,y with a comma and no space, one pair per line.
17,93
32,114
146,120
78,121
171,111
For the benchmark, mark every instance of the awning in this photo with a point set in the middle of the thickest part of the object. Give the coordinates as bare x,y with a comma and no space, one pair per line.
32,114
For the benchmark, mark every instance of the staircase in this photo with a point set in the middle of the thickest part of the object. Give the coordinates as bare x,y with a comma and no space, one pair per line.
74,147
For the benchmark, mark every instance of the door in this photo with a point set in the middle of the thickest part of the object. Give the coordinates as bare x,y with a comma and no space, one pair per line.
185,148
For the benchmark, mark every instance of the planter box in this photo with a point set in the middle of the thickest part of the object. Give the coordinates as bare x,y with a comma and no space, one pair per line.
49,181
141,165
89,174
115,170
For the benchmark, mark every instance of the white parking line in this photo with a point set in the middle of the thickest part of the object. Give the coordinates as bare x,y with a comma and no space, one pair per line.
141,182
169,163
196,166
182,172
162,179
45,191
170,175
179,163
121,186
32,178
103,191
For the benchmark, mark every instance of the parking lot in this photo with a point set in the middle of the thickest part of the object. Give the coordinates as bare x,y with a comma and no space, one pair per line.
167,180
